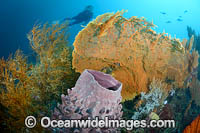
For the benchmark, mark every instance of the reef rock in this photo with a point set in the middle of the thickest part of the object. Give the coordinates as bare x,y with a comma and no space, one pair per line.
133,53
95,95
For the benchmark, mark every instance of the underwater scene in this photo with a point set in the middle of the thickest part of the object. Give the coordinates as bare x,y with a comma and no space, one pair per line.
105,66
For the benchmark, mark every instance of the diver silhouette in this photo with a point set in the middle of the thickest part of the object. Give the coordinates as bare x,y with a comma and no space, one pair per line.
83,17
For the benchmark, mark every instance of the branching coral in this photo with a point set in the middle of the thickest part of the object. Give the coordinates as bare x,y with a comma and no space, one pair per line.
196,39
192,32
195,91
15,93
34,89
153,99
133,53
53,71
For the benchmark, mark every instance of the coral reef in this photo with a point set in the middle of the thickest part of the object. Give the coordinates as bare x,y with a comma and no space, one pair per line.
195,91
151,66
154,116
174,109
34,89
177,107
95,95
15,93
152,100
133,53
194,127
192,34
166,113
53,72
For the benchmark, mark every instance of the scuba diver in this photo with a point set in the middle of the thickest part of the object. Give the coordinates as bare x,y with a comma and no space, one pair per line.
84,16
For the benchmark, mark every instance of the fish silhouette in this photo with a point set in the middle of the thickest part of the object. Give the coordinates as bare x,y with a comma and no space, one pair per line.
185,11
179,19
169,22
163,13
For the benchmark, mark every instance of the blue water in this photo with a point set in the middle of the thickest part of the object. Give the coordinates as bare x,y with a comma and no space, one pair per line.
19,16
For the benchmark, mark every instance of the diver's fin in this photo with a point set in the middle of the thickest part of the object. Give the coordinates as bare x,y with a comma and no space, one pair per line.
63,20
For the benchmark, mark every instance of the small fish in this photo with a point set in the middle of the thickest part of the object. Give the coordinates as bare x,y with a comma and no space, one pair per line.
169,22
179,19
180,16
163,13
185,11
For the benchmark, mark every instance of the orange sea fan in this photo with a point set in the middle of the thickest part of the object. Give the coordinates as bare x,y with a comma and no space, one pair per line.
134,52
194,127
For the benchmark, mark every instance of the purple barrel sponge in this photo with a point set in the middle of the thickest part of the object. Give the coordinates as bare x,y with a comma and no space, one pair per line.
95,94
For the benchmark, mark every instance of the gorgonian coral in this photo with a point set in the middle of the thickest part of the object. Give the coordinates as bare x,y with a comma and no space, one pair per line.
152,100
195,91
34,89
133,53
15,93
53,73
